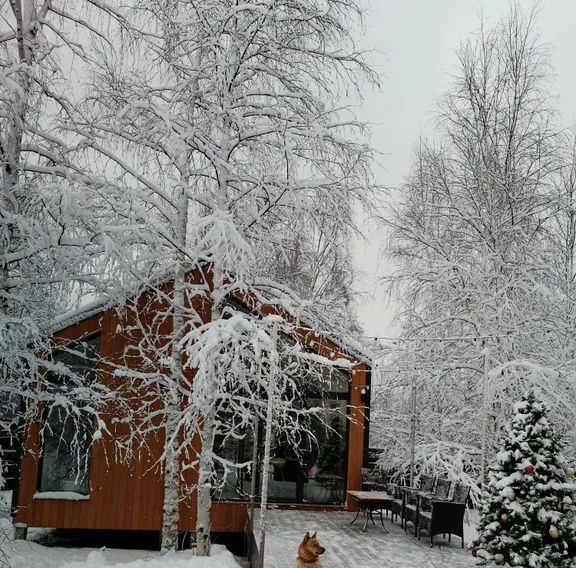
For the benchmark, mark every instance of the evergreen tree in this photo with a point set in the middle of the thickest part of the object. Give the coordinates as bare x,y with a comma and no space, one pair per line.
528,513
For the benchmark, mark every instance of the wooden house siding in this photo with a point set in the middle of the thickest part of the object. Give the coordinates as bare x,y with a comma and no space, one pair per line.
126,493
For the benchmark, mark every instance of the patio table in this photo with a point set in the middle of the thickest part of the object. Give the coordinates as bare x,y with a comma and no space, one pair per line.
370,501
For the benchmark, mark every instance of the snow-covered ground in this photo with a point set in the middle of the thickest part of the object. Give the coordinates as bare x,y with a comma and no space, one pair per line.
30,554
347,547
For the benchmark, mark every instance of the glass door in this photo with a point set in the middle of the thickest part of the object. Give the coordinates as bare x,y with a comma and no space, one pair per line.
325,470
315,472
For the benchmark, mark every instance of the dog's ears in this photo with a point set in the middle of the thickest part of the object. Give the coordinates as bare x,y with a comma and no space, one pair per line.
307,536
313,536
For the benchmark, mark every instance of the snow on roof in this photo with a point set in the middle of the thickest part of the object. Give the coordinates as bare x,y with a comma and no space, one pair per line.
78,314
269,292
277,294
93,306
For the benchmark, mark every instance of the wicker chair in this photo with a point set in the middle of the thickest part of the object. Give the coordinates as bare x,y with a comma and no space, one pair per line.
411,509
441,491
396,507
442,488
426,483
372,480
445,516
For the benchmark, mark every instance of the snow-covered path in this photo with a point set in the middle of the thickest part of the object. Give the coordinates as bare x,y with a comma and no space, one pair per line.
347,547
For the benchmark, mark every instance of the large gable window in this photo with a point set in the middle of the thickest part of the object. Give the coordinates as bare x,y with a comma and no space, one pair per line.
313,472
67,434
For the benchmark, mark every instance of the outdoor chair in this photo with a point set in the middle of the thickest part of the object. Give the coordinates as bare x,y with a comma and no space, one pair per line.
422,498
441,492
406,503
372,480
411,505
411,510
426,484
397,504
445,516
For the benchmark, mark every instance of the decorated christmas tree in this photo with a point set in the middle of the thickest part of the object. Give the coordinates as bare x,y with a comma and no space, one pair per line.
528,516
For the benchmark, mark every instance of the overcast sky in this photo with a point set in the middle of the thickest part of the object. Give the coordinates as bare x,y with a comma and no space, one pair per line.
415,42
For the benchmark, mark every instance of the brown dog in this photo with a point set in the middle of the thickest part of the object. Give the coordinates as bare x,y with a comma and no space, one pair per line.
308,552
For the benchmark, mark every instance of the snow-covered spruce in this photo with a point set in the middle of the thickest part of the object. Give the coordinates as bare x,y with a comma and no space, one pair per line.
528,514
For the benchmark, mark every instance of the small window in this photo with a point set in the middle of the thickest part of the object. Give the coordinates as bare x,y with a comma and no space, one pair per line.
67,436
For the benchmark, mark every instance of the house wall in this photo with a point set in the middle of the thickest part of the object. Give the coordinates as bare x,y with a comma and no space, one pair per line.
126,493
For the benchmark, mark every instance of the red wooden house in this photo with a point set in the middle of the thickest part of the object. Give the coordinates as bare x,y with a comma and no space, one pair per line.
117,494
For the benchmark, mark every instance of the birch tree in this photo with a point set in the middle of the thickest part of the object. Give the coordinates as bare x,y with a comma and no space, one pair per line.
50,241
216,120
314,257
471,236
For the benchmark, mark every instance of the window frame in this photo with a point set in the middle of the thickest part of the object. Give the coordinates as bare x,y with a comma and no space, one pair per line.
44,417
299,495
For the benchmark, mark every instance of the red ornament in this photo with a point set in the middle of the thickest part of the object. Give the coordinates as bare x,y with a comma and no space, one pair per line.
474,552
528,468
504,519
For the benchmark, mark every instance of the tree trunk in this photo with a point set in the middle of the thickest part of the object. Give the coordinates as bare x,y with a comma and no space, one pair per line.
11,141
171,463
253,485
413,419
170,517
484,421
204,496
266,461
204,492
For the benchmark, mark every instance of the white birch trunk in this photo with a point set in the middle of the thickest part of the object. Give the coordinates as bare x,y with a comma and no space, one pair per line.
11,138
171,464
266,459
204,492
253,484
11,141
484,436
170,514
413,419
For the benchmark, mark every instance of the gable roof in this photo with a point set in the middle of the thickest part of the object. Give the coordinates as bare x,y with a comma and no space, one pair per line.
267,293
